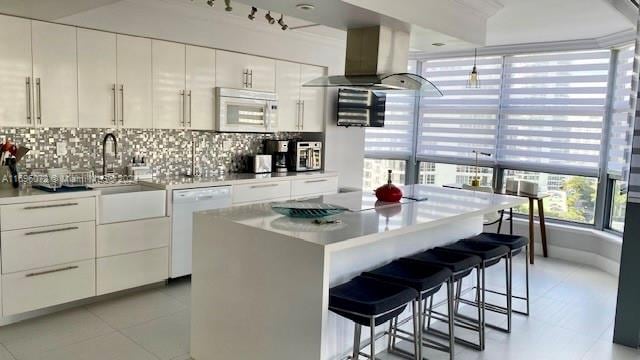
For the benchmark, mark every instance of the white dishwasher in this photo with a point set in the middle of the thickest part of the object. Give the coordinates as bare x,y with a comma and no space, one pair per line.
185,203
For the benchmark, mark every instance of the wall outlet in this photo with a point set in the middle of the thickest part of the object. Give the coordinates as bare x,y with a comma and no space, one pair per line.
61,148
226,145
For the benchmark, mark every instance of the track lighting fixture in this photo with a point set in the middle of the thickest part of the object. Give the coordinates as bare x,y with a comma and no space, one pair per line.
281,23
210,2
228,7
252,14
270,18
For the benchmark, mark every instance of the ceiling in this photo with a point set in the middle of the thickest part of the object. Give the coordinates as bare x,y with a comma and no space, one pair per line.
459,24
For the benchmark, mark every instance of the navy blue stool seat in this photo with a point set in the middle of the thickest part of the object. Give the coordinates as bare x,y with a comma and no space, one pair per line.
490,253
460,264
514,242
369,302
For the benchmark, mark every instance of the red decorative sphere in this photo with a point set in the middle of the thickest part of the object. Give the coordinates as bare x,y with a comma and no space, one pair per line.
389,192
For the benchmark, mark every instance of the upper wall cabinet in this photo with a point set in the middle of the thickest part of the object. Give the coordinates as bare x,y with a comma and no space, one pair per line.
312,99
55,72
169,97
134,82
16,72
200,87
241,71
299,109
97,79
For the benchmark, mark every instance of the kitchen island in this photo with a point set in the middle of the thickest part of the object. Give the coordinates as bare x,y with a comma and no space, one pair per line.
260,280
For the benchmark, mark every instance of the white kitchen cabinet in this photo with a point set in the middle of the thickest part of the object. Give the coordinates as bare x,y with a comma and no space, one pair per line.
169,98
97,78
55,69
314,187
132,236
115,273
46,213
259,192
288,90
16,72
200,87
241,71
134,82
312,100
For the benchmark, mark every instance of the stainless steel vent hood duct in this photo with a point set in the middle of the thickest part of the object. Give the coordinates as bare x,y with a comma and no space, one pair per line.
377,60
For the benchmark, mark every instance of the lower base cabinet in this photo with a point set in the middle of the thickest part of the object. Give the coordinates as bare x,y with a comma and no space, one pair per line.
40,288
120,272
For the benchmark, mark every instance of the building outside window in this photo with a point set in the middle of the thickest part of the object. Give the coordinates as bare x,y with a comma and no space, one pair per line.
450,174
376,173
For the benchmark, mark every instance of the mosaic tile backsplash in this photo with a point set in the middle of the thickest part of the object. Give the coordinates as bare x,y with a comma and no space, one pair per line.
168,152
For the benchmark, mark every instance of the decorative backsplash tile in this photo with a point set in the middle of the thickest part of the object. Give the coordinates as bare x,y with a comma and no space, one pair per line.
168,152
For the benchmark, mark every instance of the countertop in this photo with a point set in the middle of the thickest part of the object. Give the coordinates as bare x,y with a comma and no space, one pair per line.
183,182
9,195
367,221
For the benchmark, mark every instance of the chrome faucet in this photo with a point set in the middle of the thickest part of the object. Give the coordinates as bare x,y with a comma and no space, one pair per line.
104,147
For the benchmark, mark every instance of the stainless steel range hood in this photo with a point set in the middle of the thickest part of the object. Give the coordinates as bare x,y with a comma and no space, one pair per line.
377,60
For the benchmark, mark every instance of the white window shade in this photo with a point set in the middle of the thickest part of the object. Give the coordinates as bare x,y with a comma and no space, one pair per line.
464,119
395,139
552,111
621,127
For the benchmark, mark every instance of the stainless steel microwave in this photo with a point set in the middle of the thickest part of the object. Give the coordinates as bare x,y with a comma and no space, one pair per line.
240,110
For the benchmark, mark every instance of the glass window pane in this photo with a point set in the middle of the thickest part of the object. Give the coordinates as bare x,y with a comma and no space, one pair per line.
446,174
376,170
618,206
572,198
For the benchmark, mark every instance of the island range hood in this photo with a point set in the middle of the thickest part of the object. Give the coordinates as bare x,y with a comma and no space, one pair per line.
377,60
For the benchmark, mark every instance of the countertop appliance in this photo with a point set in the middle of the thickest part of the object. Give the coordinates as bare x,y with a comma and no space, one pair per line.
306,155
185,203
259,164
246,111
361,108
278,149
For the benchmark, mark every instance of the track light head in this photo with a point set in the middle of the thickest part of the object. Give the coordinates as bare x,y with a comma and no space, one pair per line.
210,2
270,18
228,7
282,23
252,14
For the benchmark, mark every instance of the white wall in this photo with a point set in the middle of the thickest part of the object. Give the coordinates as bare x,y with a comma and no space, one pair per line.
184,22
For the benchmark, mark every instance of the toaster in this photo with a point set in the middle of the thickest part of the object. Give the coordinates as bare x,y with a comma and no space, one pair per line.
259,164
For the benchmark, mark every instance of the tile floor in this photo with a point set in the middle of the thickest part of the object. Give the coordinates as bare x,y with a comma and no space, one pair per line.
573,308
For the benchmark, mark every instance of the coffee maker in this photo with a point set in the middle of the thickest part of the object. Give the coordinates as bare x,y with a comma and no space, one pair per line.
278,149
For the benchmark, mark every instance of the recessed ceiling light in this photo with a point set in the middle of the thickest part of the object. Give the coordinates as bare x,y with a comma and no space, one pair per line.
438,44
305,7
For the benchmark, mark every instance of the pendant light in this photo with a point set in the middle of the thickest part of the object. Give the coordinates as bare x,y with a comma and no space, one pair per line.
474,80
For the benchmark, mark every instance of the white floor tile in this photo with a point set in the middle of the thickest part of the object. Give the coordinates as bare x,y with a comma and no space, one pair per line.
606,350
114,346
29,338
180,290
166,337
136,308
5,354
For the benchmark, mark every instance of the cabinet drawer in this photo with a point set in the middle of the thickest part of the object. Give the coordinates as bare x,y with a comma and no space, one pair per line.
261,191
132,236
121,272
21,216
316,186
35,289
47,246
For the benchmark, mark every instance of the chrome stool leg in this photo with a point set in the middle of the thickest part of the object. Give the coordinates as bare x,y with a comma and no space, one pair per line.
356,342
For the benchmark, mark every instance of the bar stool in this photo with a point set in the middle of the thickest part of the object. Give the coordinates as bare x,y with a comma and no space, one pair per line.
516,244
369,302
491,254
427,280
461,266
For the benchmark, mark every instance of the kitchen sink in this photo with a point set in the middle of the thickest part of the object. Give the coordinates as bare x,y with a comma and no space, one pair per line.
128,202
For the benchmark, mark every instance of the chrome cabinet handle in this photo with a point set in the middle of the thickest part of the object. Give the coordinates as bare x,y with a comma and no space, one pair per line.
115,105
51,231
315,181
302,117
28,100
189,95
263,186
121,104
298,115
245,78
181,121
251,79
39,100
52,271
49,206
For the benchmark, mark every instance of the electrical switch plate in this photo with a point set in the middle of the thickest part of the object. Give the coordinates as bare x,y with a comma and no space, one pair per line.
61,148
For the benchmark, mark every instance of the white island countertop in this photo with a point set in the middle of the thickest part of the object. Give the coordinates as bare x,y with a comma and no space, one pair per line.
366,222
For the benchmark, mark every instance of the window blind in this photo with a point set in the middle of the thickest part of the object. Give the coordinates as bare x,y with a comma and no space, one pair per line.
395,139
464,119
552,111
621,128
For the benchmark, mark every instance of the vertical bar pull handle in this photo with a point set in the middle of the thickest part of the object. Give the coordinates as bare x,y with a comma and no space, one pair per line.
245,78
115,105
181,120
302,117
189,94
122,104
251,79
28,100
39,100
